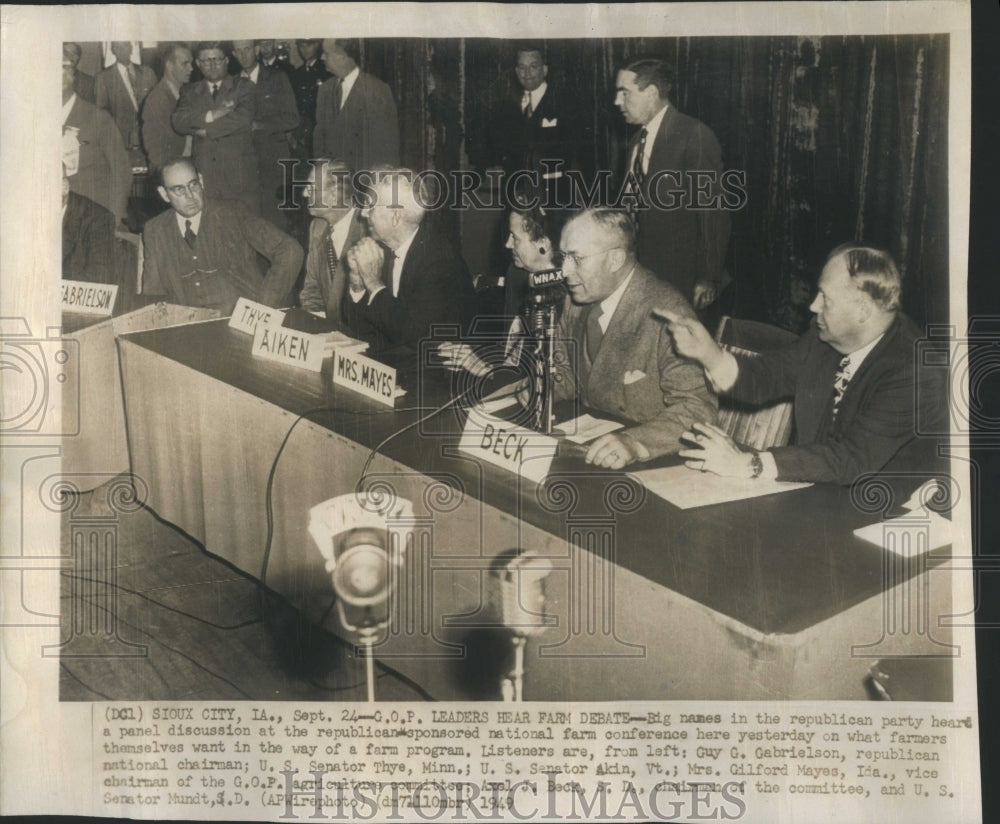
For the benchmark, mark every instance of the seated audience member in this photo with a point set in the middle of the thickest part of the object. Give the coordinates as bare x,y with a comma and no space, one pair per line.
532,238
851,376
93,152
89,246
407,277
335,228
618,358
203,253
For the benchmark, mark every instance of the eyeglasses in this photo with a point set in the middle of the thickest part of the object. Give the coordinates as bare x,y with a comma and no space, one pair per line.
568,257
191,187
213,61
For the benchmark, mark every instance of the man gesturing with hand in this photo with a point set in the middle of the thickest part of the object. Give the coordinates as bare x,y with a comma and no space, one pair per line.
851,377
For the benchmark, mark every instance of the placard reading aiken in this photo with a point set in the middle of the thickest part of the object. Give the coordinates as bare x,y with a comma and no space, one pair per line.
247,314
89,298
514,448
288,346
369,377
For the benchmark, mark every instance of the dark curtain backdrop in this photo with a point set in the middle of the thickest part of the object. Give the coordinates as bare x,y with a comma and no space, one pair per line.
841,138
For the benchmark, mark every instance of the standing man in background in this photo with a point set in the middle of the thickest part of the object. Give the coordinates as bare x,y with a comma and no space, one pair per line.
275,116
306,80
83,84
159,139
120,90
218,113
685,246
355,114
93,152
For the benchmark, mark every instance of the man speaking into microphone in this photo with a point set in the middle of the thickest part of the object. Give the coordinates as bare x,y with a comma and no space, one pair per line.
618,357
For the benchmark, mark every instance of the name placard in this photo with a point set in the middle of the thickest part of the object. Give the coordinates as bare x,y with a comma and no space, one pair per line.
364,375
288,346
89,298
247,314
514,448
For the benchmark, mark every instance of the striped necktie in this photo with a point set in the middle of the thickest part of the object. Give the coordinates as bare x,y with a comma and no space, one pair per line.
840,382
640,151
594,332
338,277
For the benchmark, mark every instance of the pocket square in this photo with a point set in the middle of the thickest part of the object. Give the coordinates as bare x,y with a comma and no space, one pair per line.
634,376
548,124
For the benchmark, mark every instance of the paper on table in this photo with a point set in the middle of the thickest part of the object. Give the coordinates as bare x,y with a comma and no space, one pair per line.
688,488
586,428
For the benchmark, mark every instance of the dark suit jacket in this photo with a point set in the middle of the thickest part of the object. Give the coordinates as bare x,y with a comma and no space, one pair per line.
223,266
876,417
365,132
89,247
105,174
553,132
682,246
159,139
111,94
318,293
225,156
83,85
274,117
636,374
434,289
306,81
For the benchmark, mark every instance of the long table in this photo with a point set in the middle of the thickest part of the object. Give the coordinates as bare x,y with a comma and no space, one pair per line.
771,597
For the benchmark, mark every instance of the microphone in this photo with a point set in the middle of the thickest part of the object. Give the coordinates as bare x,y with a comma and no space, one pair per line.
520,591
546,288
539,280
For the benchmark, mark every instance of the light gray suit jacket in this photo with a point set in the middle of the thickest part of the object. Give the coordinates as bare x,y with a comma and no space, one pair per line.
636,374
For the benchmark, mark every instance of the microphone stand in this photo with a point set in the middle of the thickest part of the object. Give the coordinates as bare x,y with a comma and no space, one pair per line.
543,316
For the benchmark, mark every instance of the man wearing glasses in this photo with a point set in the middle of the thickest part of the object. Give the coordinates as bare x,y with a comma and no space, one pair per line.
218,113
617,357
203,252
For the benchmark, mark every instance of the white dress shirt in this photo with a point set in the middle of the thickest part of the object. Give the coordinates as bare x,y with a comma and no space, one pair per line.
652,127
347,84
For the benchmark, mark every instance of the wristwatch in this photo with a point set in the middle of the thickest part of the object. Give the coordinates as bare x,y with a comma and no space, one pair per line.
756,464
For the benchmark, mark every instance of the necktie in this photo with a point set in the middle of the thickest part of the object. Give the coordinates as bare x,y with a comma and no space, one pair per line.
594,331
130,71
338,95
389,272
640,150
526,106
840,382
215,91
189,235
337,278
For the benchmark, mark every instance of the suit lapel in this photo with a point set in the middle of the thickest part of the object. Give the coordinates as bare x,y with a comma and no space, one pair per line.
621,328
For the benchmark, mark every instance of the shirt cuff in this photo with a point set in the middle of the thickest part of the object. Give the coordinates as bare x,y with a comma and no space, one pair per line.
724,377
371,295
770,470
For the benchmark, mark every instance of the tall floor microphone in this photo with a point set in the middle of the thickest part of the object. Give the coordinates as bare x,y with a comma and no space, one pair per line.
546,294
519,601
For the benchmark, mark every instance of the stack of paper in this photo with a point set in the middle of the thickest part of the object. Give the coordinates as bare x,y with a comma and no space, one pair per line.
688,488
345,343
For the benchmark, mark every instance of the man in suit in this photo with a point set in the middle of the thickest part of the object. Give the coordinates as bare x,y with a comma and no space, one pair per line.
538,123
274,117
159,139
93,152
685,246
615,356
83,84
89,247
415,280
851,376
202,252
335,228
355,113
120,90
306,81
218,113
